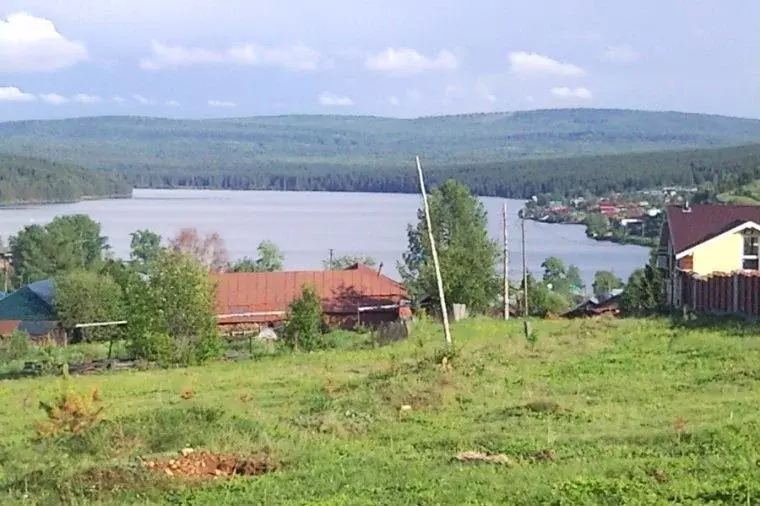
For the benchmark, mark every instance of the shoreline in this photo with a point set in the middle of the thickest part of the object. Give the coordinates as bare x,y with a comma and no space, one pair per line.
610,239
83,198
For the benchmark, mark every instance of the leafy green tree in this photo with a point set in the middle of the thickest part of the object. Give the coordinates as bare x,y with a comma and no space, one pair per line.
574,279
605,282
597,225
83,296
644,292
303,330
346,261
467,255
541,300
566,281
66,243
171,316
270,259
145,246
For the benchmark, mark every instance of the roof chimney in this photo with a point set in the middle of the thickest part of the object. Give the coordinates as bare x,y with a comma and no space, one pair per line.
379,268
686,206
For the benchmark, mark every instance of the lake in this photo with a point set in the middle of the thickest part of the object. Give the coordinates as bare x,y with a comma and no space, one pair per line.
306,225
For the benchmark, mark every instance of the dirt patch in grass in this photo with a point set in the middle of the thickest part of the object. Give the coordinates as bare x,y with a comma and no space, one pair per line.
484,457
500,458
203,465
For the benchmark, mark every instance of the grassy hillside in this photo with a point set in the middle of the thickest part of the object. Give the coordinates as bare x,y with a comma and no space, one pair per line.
353,151
32,180
748,194
607,412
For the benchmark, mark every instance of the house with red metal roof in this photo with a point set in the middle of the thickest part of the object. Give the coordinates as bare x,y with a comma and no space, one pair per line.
358,295
707,239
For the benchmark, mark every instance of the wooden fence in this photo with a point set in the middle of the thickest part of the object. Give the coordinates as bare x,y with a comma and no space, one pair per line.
736,293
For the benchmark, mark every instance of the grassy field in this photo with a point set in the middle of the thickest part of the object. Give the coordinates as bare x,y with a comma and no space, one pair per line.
606,412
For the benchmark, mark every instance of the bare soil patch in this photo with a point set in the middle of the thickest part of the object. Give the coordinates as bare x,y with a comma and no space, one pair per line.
203,465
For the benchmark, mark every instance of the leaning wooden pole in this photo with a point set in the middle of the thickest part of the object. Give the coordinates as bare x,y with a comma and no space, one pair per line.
441,296
524,267
506,265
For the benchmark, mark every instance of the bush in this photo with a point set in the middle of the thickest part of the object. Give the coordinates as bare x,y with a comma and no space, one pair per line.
304,328
171,312
15,347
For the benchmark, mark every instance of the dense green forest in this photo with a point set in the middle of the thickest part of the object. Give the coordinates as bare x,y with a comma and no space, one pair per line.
509,154
721,168
31,180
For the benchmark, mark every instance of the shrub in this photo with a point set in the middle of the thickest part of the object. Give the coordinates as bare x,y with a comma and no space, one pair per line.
304,328
15,347
69,414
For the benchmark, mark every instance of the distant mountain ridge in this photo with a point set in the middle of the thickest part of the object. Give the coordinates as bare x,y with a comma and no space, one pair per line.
355,153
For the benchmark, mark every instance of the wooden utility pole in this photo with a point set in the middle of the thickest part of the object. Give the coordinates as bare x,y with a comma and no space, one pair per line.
506,265
524,266
444,310
331,259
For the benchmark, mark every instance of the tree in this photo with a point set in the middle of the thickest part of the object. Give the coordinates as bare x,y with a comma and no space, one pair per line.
270,259
542,300
171,311
554,272
210,250
644,292
81,296
145,248
605,282
559,279
303,330
597,225
467,255
346,261
66,243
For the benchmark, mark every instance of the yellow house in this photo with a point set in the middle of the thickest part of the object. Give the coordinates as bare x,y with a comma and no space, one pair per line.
707,239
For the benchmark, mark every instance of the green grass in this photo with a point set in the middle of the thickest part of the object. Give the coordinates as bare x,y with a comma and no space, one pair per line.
635,411
748,194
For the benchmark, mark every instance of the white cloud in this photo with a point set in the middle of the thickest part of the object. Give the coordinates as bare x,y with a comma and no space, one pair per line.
118,99
295,57
621,54
394,100
171,103
565,92
142,100
331,100
222,103
53,98
32,44
13,94
405,61
528,64
83,98
164,56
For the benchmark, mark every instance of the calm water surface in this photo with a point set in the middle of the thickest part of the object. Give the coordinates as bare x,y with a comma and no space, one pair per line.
306,225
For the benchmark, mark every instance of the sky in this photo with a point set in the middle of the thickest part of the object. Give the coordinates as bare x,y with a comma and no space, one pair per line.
400,58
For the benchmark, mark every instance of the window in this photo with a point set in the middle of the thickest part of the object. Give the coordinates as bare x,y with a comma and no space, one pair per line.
751,251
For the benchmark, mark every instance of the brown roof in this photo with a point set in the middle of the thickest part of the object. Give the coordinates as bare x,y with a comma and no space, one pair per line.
8,326
705,221
341,291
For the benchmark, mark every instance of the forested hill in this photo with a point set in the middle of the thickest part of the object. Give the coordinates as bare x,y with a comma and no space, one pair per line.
357,153
31,180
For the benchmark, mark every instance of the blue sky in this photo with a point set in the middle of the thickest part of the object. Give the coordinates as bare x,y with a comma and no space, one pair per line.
205,58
